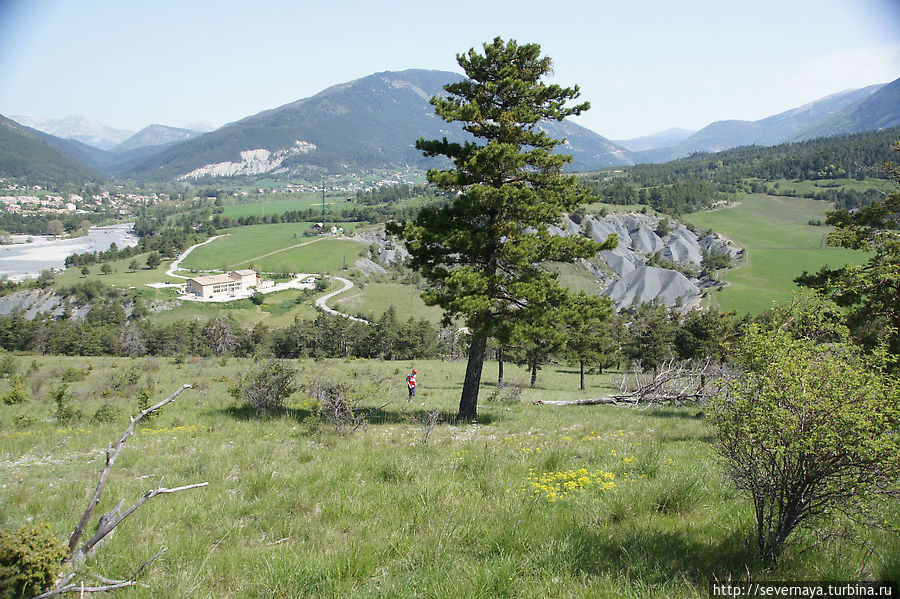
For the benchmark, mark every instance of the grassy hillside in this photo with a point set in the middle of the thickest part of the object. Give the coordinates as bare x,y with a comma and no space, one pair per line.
293,509
780,244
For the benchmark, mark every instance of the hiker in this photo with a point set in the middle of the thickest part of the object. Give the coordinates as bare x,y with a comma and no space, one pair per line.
411,384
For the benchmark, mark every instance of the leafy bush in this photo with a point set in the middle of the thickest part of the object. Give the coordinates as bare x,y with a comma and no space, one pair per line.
30,559
17,393
64,412
125,379
807,431
106,413
266,385
71,374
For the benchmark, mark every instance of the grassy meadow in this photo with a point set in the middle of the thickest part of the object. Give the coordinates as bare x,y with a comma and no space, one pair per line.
276,247
279,206
779,244
371,299
533,501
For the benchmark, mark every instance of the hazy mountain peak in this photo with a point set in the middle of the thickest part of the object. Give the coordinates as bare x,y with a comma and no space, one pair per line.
77,127
155,135
201,125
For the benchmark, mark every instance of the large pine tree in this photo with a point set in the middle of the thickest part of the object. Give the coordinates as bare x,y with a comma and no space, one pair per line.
482,252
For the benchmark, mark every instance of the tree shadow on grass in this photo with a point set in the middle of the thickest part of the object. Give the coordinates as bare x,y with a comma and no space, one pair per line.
371,414
246,412
657,558
683,413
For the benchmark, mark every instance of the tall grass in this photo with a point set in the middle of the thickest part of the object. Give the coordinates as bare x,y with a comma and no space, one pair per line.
295,510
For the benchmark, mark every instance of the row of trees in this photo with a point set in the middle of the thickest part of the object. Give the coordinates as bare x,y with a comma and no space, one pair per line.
107,330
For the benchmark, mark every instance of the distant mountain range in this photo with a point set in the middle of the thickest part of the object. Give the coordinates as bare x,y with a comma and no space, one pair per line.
373,123
853,111
663,139
79,128
369,123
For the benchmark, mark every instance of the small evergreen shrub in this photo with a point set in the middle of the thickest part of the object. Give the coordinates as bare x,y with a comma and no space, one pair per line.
105,413
30,559
18,392
71,374
64,412
8,366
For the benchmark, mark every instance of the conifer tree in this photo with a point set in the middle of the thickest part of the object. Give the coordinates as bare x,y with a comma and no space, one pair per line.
482,252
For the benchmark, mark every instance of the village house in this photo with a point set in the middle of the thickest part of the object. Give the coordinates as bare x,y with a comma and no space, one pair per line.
233,284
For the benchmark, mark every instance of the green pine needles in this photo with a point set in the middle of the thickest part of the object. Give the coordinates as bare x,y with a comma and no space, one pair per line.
482,252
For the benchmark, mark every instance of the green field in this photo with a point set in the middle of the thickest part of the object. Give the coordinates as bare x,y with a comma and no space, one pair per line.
812,186
295,510
779,244
372,299
121,277
271,248
303,202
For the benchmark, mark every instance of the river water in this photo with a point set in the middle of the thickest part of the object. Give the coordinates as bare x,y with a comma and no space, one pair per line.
23,260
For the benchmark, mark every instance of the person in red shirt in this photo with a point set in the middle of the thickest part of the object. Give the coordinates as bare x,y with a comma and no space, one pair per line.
411,384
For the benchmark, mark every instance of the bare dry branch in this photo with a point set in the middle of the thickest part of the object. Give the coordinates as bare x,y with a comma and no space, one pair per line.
115,518
108,584
673,382
112,452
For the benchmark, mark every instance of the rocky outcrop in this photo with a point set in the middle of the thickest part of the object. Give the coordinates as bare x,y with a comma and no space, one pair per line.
649,283
640,243
632,277
253,162
31,302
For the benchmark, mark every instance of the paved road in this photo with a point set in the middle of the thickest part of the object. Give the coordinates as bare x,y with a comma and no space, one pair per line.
176,264
320,303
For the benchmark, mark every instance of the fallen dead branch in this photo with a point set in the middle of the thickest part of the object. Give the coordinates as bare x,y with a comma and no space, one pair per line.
672,383
110,520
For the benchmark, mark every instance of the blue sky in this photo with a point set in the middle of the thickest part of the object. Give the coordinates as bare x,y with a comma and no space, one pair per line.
644,66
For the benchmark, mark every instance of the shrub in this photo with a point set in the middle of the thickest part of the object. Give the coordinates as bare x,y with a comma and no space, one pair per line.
808,430
64,412
17,393
266,385
145,400
8,365
70,374
125,379
30,559
106,413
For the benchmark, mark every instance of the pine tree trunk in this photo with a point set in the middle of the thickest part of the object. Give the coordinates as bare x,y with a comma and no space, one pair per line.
581,364
534,366
468,402
500,367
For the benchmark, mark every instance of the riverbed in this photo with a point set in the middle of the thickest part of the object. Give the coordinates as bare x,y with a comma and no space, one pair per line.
24,260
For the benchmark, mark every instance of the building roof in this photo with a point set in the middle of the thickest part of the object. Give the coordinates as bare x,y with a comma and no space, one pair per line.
244,273
212,279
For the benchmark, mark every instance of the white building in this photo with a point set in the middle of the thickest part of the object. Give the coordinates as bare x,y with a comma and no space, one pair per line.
233,284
